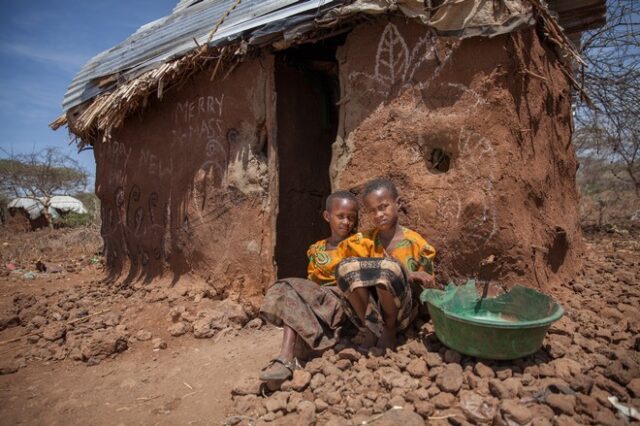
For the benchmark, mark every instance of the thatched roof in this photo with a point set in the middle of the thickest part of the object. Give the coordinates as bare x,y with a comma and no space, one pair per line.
162,53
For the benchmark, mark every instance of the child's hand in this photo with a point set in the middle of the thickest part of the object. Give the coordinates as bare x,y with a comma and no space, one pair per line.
424,279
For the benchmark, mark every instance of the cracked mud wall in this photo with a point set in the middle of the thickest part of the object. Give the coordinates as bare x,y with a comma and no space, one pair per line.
476,134
184,185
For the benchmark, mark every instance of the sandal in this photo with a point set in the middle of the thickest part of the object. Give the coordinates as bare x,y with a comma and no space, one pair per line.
279,369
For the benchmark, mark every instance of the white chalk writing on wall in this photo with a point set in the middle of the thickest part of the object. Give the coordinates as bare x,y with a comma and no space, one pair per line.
396,64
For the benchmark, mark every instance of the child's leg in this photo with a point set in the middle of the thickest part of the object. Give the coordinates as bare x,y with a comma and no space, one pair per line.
390,318
288,343
359,299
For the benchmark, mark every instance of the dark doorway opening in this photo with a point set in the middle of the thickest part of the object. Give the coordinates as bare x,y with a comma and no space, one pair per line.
307,118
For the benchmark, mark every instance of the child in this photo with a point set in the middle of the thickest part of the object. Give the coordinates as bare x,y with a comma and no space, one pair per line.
311,309
387,260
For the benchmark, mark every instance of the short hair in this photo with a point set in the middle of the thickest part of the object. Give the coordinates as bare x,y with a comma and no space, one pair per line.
380,183
339,195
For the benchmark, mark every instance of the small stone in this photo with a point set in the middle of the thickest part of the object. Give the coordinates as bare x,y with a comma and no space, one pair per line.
483,370
433,359
514,412
424,408
247,386
450,379
343,364
320,405
254,324
333,397
277,402
634,387
349,354
444,400
8,369
478,408
300,380
158,343
54,331
500,390
587,405
566,368
179,328
400,417
143,335
306,412
561,404
417,368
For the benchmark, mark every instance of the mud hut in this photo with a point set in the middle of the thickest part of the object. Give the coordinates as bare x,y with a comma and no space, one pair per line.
219,129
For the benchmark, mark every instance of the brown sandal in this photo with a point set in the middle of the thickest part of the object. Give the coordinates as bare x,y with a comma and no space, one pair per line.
279,369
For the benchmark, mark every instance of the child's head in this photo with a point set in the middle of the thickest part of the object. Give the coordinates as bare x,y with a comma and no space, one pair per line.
341,212
382,203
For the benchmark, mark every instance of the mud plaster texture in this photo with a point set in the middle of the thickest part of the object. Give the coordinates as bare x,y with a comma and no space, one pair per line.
184,186
500,110
476,134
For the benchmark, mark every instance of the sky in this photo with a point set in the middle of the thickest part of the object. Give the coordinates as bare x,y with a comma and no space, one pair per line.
43,45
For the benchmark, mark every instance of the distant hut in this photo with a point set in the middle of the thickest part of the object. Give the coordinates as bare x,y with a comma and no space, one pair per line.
219,129
27,214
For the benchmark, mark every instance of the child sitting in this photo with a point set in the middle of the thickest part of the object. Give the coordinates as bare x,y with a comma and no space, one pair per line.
311,309
381,265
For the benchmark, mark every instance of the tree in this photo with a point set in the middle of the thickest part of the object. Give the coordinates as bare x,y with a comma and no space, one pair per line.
40,176
608,130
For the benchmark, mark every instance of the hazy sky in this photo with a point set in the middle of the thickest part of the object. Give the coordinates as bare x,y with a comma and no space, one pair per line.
43,44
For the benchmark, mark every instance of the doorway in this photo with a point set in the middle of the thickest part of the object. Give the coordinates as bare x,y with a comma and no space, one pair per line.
306,79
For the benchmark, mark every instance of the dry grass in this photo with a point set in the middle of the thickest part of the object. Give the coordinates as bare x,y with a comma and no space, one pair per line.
56,246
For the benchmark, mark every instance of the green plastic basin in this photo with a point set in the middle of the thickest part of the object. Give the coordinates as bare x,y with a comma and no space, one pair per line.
508,326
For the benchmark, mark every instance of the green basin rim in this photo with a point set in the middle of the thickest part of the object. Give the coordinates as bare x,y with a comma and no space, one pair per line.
542,322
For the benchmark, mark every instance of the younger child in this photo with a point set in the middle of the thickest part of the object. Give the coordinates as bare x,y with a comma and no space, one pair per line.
311,309
382,266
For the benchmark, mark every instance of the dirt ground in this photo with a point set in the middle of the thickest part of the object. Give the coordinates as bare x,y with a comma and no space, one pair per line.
98,353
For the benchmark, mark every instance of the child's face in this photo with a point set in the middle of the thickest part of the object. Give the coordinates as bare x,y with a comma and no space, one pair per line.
342,217
382,208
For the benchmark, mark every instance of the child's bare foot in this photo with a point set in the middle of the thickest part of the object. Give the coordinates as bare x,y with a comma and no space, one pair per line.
387,339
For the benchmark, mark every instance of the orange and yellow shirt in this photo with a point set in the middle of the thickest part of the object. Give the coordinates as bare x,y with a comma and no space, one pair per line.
413,251
322,263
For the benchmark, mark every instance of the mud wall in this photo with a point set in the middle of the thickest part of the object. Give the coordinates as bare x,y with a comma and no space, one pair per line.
184,186
477,136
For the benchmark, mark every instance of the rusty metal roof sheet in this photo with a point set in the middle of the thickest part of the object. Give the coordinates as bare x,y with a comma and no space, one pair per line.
171,37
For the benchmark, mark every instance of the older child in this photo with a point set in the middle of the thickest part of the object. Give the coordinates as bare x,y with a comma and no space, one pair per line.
381,266
311,309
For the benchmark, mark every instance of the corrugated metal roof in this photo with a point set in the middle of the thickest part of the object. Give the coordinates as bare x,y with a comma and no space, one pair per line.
193,20
173,36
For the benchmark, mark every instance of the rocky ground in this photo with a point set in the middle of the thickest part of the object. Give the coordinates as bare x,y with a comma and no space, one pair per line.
78,350
589,357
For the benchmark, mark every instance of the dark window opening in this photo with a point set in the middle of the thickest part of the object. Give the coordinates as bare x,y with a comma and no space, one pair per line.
439,161
307,123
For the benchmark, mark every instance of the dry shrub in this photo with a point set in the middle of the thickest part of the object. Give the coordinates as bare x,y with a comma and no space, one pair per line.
49,245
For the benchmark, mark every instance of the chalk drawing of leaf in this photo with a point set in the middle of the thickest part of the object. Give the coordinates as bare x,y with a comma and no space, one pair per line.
423,51
392,57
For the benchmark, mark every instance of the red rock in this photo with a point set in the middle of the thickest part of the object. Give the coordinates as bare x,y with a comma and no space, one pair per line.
483,370
566,368
424,408
587,405
450,379
247,386
349,354
607,418
417,368
444,400
300,381
433,359
400,417
179,328
54,331
561,404
634,387
478,408
513,411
